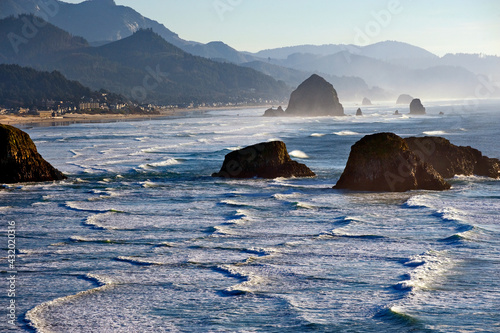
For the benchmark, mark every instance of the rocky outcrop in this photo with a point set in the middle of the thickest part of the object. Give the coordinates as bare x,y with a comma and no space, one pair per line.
384,163
396,113
359,112
416,107
20,161
450,160
315,97
263,160
274,112
404,99
366,102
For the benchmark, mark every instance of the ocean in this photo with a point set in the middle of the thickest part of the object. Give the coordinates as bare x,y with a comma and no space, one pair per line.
141,238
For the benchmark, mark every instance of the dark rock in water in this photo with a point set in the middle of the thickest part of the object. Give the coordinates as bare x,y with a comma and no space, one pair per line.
416,107
20,161
441,113
274,112
396,113
450,160
404,99
384,163
359,112
315,97
366,101
263,160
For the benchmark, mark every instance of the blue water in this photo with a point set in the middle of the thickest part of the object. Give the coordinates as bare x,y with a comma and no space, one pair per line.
140,238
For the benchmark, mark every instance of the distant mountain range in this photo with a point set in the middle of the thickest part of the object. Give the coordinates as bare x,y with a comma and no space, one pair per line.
378,71
143,67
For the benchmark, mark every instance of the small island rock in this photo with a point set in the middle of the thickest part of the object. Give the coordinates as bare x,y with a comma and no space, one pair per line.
20,161
366,102
450,160
263,160
315,97
404,99
274,112
416,107
383,162
396,113
359,112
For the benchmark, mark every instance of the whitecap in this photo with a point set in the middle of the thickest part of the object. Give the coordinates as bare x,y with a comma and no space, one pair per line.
94,221
419,201
250,279
318,135
168,162
343,133
298,154
434,133
35,317
138,261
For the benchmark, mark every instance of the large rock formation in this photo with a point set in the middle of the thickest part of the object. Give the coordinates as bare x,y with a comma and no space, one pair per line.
404,99
450,160
359,112
315,97
263,160
20,161
366,102
274,112
416,107
384,163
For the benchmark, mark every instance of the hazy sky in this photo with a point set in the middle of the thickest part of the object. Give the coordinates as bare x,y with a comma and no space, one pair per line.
442,26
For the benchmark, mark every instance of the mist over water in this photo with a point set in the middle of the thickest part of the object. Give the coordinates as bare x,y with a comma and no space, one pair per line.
141,238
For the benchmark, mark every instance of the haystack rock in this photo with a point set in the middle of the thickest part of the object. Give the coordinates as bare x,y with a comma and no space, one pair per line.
263,160
359,112
366,102
404,99
384,163
20,161
315,97
274,112
450,160
416,107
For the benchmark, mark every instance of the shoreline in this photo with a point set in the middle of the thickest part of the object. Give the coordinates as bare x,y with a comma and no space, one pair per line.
69,119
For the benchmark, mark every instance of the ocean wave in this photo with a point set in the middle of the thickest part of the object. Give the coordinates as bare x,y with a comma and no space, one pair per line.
138,261
451,214
303,205
337,233
298,154
428,267
419,201
434,133
168,162
344,133
239,216
93,221
79,239
35,317
249,279
233,203
318,135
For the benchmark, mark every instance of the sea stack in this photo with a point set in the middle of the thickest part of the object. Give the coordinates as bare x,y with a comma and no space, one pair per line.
264,160
416,107
20,161
404,99
450,160
274,112
366,102
383,162
315,97
359,112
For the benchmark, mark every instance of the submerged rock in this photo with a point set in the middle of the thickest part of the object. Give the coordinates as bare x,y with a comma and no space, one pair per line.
366,102
416,107
20,161
450,160
359,112
315,97
384,163
274,112
404,99
263,160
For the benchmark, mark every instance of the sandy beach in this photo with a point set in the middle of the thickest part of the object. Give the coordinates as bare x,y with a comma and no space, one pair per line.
74,118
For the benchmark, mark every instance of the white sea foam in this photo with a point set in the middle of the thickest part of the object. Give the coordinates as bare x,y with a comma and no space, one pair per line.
298,154
168,162
318,135
95,221
420,201
429,267
139,261
251,280
344,133
434,133
35,317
